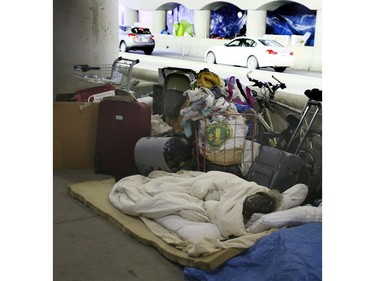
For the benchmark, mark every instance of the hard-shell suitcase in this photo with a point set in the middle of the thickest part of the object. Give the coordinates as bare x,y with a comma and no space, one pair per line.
86,95
120,125
275,168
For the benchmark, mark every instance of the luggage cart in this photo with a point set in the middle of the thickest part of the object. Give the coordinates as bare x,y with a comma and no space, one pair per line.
315,102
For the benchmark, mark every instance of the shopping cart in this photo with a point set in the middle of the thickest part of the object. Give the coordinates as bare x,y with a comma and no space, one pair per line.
225,142
119,73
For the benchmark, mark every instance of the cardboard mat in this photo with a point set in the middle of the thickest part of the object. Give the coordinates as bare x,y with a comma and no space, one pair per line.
94,194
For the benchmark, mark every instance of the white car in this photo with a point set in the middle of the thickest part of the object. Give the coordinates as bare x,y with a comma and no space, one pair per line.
251,52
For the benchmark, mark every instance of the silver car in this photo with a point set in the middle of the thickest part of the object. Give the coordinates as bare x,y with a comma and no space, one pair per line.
136,38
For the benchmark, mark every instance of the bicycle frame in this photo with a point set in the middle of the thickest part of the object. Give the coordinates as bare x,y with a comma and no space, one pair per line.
266,94
264,119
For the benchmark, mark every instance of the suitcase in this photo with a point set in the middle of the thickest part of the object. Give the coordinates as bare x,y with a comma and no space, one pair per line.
275,168
120,125
85,94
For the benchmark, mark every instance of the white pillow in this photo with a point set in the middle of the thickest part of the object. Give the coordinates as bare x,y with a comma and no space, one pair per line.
291,217
293,196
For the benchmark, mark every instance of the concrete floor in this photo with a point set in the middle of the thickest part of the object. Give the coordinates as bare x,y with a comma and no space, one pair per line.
87,246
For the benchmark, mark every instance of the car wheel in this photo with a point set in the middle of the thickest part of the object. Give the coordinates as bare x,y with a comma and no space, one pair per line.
123,47
210,58
279,69
252,63
148,51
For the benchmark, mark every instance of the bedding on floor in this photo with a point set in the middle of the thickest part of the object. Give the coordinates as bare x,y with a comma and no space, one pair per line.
94,195
202,213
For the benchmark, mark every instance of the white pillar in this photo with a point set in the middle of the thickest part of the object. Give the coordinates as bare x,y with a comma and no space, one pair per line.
202,21
318,29
256,23
158,21
84,32
131,16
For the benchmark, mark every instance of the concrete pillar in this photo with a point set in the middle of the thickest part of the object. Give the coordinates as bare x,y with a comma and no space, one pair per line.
84,32
316,60
131,16
318,29
202,20
158,21
256,23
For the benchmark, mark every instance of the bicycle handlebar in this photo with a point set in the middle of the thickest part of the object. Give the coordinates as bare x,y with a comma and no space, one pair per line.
272,88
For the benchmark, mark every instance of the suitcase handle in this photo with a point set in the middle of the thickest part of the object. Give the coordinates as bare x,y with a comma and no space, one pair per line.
318,107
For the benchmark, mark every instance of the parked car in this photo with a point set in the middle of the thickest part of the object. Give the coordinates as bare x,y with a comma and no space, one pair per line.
251,52
136,38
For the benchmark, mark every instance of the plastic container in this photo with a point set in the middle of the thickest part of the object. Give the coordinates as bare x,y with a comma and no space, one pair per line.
160,153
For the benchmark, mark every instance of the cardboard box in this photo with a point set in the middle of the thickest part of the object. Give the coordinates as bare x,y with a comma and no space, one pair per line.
74,135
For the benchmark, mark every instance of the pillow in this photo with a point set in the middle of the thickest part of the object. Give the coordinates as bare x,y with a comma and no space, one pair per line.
294,216
293,196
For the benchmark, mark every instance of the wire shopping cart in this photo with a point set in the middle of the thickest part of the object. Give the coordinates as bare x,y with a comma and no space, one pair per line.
226,142
119,73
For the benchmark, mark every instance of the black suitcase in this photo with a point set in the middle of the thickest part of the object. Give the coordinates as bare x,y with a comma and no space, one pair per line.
275,168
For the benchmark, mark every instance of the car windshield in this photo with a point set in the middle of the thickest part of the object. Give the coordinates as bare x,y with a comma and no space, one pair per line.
140,30
270,43
234,43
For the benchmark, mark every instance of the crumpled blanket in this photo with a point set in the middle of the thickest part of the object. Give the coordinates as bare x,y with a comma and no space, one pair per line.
213,198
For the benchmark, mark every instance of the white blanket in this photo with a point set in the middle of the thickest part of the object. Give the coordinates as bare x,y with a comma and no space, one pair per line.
195,211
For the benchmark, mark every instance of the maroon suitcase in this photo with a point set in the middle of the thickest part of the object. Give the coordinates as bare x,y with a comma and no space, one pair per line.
120,125
85,94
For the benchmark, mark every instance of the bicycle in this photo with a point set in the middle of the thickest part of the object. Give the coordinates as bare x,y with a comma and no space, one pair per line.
263,107
298,137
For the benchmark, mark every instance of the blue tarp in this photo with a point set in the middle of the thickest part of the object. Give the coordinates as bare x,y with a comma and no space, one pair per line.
290,254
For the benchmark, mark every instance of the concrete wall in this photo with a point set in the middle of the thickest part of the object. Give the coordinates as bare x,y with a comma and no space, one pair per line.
84,32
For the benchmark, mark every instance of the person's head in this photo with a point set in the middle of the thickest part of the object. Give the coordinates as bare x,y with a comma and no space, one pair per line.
261,202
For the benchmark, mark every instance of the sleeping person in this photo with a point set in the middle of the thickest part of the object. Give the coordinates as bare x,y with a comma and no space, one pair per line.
261,202
197,204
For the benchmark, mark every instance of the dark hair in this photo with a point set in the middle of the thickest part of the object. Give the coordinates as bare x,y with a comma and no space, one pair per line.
260,202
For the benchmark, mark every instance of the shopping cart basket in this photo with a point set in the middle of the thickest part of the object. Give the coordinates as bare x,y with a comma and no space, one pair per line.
225,142
119,73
